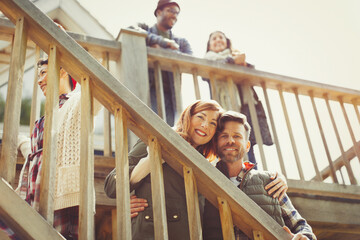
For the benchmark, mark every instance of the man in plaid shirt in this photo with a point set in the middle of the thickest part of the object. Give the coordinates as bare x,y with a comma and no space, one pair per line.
232,144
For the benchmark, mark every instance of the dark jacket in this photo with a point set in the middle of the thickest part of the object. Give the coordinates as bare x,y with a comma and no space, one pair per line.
152,38
177,218
252,184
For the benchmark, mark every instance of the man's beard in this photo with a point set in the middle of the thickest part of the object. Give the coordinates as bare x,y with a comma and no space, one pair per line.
232,158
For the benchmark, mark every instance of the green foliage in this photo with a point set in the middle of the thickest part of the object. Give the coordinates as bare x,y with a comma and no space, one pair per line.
25,110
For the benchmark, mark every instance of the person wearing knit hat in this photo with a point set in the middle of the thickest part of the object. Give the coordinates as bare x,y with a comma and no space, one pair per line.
160,35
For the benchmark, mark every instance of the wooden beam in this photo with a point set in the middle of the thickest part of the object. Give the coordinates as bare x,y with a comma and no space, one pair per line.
159,90
196,84
22,218
13,102
107,115
122,176
192,203
157,190
226,219
87,204
47,186
177,87
35,101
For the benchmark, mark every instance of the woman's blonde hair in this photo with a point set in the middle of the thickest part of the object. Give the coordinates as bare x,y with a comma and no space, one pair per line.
182,126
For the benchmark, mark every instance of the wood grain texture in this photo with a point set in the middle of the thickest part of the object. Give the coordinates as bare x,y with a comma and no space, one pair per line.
13,102
87,204
107,115
122,176
35,101
48,169
160,101
192,203
226,219
18,215
291,134
157,190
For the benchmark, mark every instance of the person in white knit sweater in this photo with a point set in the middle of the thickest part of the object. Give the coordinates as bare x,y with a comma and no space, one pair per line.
67,178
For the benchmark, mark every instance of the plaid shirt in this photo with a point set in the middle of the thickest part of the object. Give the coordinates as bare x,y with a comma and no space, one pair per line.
29,182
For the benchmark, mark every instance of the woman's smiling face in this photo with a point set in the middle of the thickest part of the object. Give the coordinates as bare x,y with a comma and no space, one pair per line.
217,42
203,127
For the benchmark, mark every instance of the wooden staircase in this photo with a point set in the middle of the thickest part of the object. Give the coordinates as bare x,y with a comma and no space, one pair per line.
332,209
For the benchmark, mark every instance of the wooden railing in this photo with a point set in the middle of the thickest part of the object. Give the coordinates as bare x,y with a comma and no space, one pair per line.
130,113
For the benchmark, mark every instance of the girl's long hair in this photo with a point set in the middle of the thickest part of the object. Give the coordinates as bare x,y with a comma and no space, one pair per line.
182,126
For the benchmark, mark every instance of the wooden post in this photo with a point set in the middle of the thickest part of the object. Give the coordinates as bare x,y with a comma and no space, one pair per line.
258,235
192,203
226,219
196,84
346,162
356,149
159,91
232,90
107,115
213,87
35,101
318,177
47,186
122,176
331,165
356,111
272,122
291,134
177,87
157,189
132,67
254,120
13,103
114,223
87,204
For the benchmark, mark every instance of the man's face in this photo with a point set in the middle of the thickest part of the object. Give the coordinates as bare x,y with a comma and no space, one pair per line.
167,17
231,142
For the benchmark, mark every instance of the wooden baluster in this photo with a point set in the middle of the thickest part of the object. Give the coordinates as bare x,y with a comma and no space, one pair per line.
318,177
255,122
258,235
157,189
226,219
356,149
192,202
331,165
356,111
272,122
13,103
177,86
196,84
107,115
346,162
159,91
291,134
232,90
122,176
87,204
47,186
213,87
35,101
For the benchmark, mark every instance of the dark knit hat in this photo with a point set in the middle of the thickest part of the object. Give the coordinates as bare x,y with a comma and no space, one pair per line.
163,3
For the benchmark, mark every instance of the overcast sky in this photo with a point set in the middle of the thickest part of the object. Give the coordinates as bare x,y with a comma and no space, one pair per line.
312,40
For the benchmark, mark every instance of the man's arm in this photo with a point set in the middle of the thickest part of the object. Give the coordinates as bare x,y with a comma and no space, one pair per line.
293,220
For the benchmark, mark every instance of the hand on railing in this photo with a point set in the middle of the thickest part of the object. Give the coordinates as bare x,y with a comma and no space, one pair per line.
137,205
278,186
171,44
297,236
